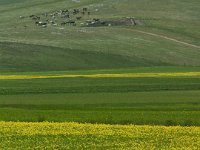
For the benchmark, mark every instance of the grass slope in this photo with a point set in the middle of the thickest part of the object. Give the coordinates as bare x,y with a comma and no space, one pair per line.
46,58
36,49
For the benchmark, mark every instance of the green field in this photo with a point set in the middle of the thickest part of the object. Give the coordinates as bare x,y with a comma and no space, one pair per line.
144,100
108,77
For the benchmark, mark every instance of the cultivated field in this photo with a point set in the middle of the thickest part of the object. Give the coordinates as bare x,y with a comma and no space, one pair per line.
46,135
125,75
161,98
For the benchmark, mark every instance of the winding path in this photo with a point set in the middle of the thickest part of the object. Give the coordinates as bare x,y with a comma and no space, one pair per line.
168,38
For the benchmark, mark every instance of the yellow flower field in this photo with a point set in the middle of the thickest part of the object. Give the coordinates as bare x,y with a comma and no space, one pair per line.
45,135
122,75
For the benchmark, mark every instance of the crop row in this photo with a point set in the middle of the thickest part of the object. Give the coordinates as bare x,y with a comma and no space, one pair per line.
123,75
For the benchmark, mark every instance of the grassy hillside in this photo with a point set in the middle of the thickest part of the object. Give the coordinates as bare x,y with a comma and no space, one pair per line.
32,48
29,57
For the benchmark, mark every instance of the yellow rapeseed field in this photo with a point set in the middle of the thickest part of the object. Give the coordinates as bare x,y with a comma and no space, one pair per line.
122,75
45,135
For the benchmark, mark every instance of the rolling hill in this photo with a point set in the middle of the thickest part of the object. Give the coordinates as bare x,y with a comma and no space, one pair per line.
168,36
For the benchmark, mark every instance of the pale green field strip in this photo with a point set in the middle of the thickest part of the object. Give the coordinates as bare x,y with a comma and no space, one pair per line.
46,135
123,75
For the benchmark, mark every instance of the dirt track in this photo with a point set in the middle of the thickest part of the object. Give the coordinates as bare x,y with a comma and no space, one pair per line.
168,38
